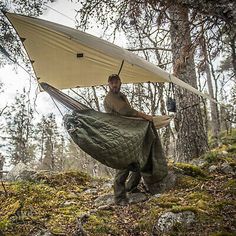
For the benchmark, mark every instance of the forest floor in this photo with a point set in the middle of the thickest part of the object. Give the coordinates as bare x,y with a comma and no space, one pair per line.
64,203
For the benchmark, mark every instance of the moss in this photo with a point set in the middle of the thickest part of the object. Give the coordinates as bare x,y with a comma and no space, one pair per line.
230,186
185,181
4,224
200,195
228,138
222,234
230,160
64,178
224,203
177,209
99,226
166,201
211,156
190,170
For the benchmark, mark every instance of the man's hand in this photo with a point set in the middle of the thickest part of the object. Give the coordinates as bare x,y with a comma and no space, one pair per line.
145,116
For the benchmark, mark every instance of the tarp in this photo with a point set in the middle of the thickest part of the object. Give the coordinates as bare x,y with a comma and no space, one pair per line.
66,58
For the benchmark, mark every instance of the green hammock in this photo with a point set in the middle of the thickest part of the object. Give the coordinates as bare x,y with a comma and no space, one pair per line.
116,141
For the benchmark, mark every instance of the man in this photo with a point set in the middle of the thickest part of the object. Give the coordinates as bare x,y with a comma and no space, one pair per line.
117,103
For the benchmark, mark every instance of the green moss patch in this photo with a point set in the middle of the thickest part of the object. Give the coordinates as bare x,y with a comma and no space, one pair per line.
190,170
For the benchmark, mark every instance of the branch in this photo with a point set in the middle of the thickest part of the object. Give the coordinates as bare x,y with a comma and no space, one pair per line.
149,48
1,112
5,191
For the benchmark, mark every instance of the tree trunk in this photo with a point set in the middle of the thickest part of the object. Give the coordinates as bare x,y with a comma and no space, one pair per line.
191,137
215,123
233,52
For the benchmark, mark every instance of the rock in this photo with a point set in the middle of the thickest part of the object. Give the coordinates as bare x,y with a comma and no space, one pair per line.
21,172
104,200
68,203
42,232
137,197
224,153
91,191
167,183
198,162
107,185
156,195
226,168
108,200
212,168
169,220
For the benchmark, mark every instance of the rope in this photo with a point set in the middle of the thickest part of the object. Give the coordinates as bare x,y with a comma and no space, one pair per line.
56,105
121,66
60,13
194,105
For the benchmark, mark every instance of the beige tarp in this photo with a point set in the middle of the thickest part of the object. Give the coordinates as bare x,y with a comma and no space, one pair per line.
66,57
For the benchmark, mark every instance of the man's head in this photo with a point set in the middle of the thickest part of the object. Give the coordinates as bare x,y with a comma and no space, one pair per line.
114,83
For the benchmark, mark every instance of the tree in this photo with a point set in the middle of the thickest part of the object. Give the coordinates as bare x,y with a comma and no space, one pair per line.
2,160
192,138
206,62
19,130
50,143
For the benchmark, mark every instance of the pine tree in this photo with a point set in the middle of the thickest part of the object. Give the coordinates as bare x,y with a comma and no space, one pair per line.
19,130
50,143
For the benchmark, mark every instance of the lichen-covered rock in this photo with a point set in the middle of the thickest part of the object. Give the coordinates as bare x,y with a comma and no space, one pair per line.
167,221
212,168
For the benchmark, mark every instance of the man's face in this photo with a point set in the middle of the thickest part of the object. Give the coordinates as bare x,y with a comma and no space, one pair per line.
114,85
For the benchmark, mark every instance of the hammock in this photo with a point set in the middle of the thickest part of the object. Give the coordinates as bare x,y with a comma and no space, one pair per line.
115,141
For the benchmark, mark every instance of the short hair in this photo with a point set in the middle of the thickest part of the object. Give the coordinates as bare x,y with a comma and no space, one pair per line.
113,77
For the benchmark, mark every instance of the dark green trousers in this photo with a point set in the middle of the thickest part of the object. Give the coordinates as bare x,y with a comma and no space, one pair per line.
125,181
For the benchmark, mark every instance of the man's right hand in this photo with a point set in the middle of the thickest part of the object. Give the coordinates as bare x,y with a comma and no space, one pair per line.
145,116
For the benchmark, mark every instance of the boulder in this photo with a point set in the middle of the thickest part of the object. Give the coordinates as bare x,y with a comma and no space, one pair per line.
167,221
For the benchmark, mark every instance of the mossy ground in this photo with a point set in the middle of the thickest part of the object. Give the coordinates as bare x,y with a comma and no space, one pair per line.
54,202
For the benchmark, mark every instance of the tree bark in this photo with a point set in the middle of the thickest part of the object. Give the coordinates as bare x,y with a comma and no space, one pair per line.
191,137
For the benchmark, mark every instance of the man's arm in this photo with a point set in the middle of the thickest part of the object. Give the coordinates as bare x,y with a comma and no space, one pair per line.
123,108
